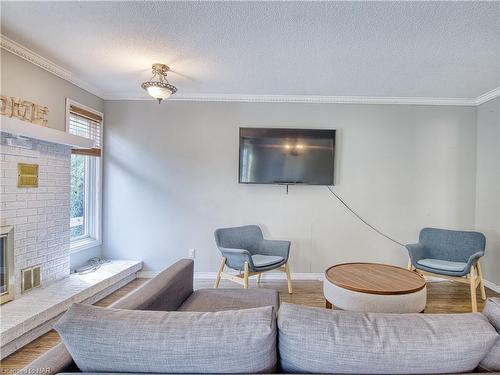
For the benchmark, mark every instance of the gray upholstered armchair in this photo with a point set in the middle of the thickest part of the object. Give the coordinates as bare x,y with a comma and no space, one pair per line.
450,254
244,249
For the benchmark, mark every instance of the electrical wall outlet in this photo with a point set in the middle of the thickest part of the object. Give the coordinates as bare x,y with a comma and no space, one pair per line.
191,253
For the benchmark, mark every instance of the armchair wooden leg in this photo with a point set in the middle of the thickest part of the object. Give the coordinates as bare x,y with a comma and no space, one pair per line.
258,278
221,269
288,277
481,281
245,275
472,281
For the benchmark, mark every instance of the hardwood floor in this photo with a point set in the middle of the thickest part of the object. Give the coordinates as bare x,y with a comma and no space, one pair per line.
442,297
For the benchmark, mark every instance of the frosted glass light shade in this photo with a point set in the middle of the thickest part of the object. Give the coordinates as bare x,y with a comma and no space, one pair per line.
159,89
159,92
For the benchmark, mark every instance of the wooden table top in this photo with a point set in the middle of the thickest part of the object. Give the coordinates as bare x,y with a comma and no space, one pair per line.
373,278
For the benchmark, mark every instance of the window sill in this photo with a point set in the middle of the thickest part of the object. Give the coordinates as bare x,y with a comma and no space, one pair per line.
83,244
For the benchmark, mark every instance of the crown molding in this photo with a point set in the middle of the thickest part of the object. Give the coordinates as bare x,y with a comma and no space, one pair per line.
495,93
40,61
307,99
34,58
335,99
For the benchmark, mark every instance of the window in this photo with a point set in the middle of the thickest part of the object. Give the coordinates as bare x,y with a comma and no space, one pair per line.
85,198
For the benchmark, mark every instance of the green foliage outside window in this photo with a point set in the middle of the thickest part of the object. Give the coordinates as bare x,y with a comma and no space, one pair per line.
77,203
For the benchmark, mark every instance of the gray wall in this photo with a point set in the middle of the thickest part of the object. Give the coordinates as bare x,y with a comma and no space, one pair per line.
22,79
171,178
488,185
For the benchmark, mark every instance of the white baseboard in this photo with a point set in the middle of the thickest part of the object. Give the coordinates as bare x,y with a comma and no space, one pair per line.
492,286
265,276
434,279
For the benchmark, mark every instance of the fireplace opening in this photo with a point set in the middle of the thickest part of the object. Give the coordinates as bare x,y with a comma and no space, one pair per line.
6,264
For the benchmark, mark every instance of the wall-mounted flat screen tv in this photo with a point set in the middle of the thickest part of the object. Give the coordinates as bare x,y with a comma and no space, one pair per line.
287,156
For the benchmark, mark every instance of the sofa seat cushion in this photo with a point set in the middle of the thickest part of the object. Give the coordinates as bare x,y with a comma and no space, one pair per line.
492,311
230,299
111,340
315,340
444,265
266,260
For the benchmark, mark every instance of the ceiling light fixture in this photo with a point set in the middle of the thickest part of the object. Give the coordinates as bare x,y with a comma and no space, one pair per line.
158,86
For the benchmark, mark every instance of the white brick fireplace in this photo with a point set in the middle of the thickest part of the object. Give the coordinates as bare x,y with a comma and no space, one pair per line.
40,216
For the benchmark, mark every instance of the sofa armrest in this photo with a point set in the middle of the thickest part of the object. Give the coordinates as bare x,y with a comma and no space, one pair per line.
165,292
52,362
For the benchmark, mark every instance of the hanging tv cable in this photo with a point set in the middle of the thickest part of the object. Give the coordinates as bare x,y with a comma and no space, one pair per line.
361,218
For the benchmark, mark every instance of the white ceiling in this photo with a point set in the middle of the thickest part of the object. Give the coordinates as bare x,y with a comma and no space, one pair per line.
373,49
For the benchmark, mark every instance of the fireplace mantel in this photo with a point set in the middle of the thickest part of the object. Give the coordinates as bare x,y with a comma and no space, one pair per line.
15,126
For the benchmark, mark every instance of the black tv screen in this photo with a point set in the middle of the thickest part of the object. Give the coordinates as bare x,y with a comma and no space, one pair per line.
286,156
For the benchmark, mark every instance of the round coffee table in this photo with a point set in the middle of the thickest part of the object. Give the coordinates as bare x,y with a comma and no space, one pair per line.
372,287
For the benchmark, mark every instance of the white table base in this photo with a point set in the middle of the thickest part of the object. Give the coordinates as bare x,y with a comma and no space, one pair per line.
346,299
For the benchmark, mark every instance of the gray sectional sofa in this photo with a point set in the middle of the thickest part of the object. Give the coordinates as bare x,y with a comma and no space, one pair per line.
166,327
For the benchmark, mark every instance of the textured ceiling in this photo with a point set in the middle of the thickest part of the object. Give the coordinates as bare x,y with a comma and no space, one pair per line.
390,49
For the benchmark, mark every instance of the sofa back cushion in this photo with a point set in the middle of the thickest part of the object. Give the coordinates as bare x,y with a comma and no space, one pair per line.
134,341
492,311
314,340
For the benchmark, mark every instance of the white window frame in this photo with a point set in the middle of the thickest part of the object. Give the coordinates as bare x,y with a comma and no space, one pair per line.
93,198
